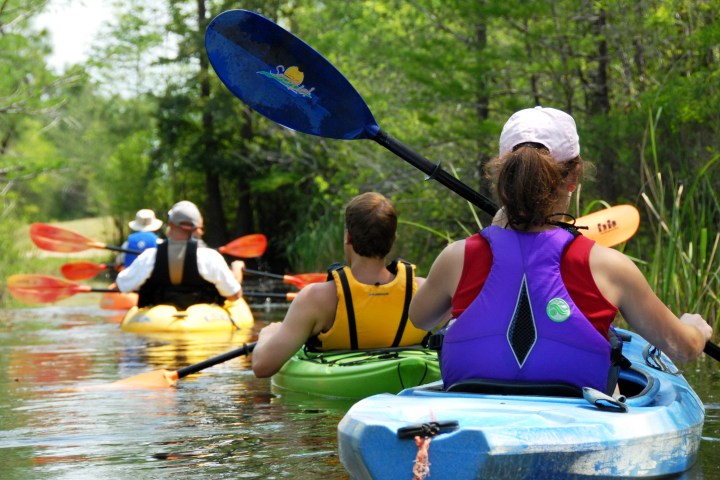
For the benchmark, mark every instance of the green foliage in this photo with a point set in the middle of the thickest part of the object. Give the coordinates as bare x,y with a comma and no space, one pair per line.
684,265
146,122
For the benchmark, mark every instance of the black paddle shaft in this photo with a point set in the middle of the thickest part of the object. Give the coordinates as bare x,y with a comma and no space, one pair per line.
123,250
712,350
434,172
244,350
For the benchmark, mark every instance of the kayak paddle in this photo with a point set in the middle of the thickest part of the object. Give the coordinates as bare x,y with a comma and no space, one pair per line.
266,66
300,280
249,246
59,239
31,288
610,226
46,289
82,270
166,378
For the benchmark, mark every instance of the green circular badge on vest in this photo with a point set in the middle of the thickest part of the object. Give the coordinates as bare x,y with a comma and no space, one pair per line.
558,310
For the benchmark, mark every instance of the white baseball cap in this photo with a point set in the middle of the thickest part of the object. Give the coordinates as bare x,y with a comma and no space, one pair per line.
550,127
185,214
145,221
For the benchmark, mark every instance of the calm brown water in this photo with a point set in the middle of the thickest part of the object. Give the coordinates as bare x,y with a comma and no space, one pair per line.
220,423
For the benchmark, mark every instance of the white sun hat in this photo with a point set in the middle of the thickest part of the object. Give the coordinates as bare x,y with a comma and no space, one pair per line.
550,127
145,221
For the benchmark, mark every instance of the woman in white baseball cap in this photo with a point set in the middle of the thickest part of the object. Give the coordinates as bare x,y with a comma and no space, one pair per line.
530,298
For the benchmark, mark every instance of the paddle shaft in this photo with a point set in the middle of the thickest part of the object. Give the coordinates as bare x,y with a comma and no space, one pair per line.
264,274
712,350
189,370
117,249
434,172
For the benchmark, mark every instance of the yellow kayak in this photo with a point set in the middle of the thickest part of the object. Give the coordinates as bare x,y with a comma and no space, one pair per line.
202,317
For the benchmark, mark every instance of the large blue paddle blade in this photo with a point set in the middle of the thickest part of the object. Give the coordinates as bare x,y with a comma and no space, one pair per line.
284,79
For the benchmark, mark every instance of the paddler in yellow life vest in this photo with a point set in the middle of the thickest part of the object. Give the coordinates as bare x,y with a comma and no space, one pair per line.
364,306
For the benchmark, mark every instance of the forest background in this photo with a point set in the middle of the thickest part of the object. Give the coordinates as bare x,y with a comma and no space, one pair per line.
145,122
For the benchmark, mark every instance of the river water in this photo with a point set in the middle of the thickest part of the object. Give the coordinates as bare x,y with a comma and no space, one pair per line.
220,423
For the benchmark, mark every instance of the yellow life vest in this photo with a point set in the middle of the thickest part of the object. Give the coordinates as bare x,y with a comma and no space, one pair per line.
372,316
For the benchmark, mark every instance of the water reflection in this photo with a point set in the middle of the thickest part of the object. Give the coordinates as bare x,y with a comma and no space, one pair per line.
221,423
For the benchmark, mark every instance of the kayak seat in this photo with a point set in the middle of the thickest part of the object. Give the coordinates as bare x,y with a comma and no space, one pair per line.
499,387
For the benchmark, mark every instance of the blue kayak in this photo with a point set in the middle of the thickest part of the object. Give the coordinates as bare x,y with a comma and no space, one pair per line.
490,431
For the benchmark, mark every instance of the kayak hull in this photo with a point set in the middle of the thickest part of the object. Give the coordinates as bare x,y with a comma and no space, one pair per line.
512,436
202,317
358,374
118,300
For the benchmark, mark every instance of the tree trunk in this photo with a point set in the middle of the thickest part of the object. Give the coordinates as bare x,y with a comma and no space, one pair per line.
215,220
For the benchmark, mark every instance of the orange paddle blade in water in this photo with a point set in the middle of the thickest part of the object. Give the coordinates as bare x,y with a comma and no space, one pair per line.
249,246
166,378
611,226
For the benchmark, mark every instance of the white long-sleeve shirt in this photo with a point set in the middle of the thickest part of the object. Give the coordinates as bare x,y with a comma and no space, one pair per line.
211,266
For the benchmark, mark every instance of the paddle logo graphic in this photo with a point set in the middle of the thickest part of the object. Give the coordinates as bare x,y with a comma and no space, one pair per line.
558,310
291,79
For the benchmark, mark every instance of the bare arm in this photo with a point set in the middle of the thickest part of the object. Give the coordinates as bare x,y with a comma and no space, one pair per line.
312,311
431,303
622,283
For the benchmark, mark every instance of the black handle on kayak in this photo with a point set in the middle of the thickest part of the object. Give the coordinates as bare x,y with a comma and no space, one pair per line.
429,429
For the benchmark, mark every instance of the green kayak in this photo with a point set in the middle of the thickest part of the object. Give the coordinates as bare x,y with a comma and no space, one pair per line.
358,374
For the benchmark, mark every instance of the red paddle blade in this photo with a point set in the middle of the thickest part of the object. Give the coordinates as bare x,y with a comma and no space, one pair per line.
302,280
57,239
42,288
611,226
248,246
82,270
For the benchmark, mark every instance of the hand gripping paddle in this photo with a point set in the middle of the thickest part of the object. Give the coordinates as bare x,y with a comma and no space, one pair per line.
284,79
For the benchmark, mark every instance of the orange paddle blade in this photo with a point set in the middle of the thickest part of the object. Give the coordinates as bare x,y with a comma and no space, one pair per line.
154,379
249,246
82,270
611,226
302,280
311,277
118,301
166,378
42,288
57,239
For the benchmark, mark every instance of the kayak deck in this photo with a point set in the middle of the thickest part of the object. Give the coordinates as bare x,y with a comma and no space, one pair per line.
358,374
202,317
512,436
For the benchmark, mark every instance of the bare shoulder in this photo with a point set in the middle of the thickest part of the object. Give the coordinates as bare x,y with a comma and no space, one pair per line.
611,262
317,301
318,293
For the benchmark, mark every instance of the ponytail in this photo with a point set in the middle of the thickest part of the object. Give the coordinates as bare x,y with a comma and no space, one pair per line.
527,182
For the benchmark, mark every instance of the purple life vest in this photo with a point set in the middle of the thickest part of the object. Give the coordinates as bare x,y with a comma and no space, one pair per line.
523,326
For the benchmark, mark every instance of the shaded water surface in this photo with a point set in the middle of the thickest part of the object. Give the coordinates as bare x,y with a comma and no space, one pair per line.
220,423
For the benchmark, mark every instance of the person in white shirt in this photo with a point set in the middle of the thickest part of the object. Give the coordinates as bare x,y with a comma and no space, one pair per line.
179,272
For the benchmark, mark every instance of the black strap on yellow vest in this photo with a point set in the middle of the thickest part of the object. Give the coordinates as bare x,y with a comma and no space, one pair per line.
349,307
406,305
